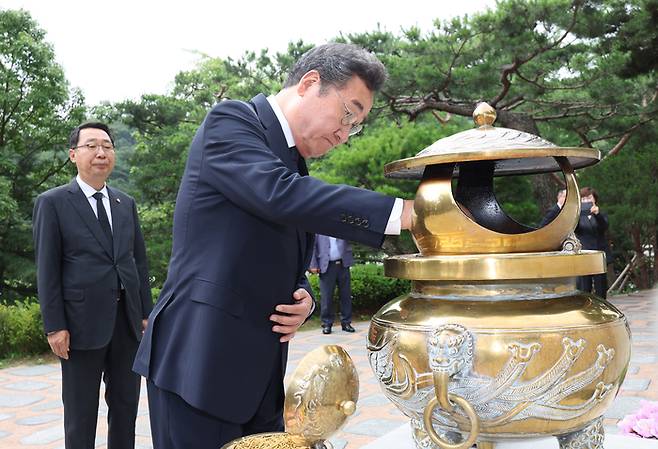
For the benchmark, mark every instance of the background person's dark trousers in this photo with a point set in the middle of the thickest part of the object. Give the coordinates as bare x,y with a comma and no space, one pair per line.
81,377
336,274
600,281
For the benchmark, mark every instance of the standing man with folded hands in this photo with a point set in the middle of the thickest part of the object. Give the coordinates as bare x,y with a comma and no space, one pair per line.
94,293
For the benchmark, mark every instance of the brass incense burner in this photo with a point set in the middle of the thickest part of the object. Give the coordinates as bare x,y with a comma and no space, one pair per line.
494,341
321,395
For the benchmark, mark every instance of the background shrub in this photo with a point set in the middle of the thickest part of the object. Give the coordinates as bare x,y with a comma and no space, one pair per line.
21,329
370,288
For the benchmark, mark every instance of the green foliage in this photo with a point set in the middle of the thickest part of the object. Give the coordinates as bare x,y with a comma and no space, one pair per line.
370,288
37,112
157,222
21,329
361,161
124,143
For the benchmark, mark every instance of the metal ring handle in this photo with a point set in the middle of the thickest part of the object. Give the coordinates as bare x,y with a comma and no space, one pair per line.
470,413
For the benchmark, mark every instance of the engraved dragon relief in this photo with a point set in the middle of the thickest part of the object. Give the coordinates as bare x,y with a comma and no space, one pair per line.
400,382
499,399
309,404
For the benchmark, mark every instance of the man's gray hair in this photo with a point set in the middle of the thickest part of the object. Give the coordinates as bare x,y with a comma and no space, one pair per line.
337,63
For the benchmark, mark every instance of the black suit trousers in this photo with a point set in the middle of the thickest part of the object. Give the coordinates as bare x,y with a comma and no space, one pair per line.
81,377
600,281
175,424
336,274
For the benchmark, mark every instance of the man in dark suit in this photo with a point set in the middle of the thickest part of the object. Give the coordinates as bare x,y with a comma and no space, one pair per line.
215,350
332,259
94,294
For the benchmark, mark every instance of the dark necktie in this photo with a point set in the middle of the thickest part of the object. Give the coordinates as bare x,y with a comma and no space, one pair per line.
102,218
301,163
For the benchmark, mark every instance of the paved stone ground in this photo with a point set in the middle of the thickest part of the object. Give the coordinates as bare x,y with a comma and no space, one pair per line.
31,409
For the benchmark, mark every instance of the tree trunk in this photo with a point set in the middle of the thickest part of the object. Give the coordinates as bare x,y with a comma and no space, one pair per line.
544,186
515,120
655,256
2,283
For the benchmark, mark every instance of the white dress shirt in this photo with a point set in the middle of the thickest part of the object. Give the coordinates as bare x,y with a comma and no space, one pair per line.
89,192
334,253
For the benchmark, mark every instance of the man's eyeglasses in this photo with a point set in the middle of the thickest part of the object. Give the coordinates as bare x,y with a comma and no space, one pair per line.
107,147
349,118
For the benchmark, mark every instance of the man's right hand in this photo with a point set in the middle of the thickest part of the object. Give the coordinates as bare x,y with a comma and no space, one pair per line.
314,270
59,343
407,210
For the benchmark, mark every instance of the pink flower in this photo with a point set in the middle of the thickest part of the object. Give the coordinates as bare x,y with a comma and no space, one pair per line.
626,425
646,428
643,423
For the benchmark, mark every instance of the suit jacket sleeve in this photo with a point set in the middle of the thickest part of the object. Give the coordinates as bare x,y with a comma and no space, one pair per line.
139,252
601,222
550,215
239,163
48,255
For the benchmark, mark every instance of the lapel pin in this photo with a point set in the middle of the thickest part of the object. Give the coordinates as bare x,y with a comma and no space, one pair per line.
118,200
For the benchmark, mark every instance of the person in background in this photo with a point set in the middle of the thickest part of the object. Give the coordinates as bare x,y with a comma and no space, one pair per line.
332,259
555,210
92,280
591,229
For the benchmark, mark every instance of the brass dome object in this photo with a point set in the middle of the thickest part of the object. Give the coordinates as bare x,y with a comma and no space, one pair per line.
484,115
511,152
320,396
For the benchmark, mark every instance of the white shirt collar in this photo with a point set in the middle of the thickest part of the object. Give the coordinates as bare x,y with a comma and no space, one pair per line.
287,132
89,190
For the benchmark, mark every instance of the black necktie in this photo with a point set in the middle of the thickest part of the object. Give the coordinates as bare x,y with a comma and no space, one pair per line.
301,163
102,218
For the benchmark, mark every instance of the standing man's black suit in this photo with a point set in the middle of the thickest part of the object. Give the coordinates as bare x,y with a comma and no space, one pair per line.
95,286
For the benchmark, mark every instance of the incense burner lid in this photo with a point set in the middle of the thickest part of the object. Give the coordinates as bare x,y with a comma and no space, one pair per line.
514,152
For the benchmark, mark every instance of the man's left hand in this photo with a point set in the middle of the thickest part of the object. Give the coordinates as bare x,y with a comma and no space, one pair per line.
292,315
145,323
